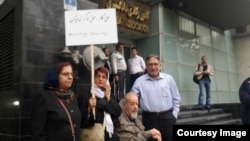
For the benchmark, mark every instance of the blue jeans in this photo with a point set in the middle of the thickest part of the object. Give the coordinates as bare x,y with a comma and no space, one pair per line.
204,83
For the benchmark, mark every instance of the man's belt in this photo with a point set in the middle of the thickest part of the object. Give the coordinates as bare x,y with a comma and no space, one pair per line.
158,113
140,73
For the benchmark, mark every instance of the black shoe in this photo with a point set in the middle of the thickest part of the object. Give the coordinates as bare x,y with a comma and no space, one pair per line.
201,108
208,108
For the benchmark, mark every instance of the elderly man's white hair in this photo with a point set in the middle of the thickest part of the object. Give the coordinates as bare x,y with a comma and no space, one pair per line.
123,100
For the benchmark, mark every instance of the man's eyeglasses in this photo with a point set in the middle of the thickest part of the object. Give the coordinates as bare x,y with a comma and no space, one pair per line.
153,64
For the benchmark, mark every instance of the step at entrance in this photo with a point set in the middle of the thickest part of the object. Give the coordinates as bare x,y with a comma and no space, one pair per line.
216,116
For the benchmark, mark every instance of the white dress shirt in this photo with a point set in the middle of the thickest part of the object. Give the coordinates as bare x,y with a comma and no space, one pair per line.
159,94
118,62
136,64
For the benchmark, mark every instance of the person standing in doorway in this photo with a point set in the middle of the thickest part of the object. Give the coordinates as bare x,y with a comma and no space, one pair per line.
119,67
107,64
136,65
206,72
159,98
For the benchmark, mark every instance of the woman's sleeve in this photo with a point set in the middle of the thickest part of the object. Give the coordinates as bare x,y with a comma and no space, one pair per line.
38,118
113,108
87,118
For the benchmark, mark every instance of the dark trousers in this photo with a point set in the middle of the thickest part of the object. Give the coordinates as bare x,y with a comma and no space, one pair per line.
133,77
163,122
119,85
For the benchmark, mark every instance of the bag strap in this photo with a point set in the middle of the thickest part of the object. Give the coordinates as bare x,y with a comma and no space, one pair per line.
198,67
69,117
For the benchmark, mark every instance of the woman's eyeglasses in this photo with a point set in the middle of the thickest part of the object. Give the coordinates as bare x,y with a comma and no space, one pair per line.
67,74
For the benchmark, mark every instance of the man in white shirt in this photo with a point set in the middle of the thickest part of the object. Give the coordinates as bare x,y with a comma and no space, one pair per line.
136,65
119,67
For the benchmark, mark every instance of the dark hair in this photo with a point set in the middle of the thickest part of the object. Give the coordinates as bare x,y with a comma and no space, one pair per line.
133,48
51,80
153,56
103,70
118,45
103,49
204,56
61,65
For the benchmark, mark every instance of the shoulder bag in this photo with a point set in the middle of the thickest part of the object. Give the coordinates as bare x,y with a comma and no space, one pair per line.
196,78
94,133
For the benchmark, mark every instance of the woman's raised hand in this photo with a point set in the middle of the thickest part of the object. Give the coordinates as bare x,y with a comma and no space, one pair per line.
107,90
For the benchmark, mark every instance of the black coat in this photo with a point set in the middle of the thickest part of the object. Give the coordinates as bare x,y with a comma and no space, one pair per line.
244,93
49,119
112,107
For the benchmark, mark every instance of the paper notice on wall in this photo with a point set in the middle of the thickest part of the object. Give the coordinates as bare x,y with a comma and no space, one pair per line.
85,27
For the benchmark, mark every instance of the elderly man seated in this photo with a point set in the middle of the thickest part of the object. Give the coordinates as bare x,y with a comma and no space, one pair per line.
129,127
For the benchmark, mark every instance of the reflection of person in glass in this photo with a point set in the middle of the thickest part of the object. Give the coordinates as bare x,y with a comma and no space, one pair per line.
49,120
119,67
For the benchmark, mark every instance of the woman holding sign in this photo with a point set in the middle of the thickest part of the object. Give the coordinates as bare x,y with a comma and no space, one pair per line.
106,111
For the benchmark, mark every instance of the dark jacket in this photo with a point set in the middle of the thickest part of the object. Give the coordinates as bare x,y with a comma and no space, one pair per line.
111,107
49,119
244,93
